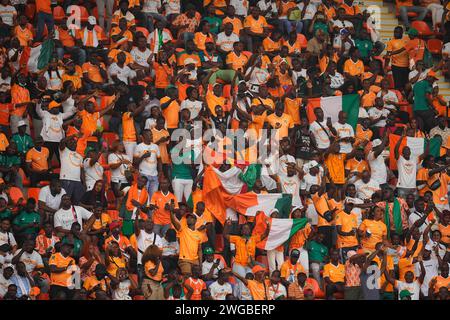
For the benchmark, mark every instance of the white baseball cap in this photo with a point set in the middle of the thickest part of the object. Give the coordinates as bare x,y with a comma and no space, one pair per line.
92,20
376,143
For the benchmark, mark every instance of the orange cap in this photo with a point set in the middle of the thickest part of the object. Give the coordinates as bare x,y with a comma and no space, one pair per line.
53,104
257,269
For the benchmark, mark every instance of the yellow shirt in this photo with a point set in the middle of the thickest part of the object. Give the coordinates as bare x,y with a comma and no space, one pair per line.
401,59
354,68
244,248
189,243
335,273
283,123
377,229
171,113
348,222
335,164
256,26
61,279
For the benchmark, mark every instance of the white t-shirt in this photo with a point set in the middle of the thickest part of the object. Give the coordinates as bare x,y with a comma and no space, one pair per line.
144,240
390,96
309,180
54,81
362,114
241,7
378,167
375,113
258,76
357,211
276,291
365,190
123,74
52,124
263,5
92,174
431,270
414,216
7,14
226,42
219,292
407,171
206,267
141,58
151,6
172,6
321,136
118,174
337,80
31,260
193,106
7,238
344,131
71,163
54,202
148,166
310,11
4,284
65,218
413,287
170,248
292,185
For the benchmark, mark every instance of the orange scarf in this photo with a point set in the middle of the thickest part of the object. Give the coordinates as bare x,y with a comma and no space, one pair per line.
133,194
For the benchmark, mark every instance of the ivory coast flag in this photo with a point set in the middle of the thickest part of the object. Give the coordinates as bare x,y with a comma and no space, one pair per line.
218,199
416,145
37,58
331,107
280,230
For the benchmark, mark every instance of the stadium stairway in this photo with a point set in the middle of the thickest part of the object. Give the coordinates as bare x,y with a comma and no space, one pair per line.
388,22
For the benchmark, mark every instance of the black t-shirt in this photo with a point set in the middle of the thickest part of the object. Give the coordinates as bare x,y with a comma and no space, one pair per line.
304,151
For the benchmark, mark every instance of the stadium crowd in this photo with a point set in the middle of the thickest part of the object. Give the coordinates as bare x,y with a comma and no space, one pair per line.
101,199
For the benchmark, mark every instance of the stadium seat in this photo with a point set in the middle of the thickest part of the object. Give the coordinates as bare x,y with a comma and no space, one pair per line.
58,13
219,243
423,28
95,12
84,14
434,46
34,193
15,194
25,180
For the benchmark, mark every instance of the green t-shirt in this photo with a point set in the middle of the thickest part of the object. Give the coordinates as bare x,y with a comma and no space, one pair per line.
5,214
320,26
9,161
181,170
316,251
24,143
214,24
25,218
365,47
420,90
77,245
